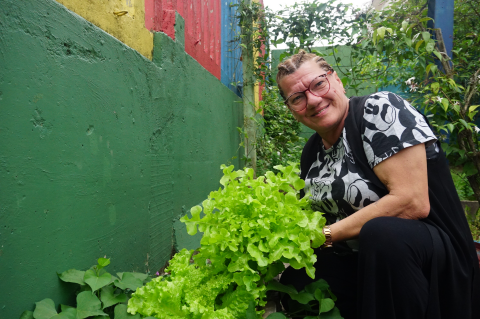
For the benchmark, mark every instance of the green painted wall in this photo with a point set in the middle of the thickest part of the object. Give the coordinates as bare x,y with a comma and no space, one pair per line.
100,149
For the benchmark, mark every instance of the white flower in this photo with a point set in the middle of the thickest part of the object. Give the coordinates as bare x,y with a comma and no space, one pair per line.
477,130
278,153
439,99
409,81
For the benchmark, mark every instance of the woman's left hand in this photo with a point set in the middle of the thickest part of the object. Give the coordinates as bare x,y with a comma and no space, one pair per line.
405,176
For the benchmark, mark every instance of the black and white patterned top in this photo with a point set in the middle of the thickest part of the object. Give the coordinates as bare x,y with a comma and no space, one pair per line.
337,185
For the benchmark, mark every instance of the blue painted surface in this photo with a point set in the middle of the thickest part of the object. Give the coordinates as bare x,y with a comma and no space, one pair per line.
231,67
442,13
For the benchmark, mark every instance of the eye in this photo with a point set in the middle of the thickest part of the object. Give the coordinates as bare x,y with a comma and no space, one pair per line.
296,99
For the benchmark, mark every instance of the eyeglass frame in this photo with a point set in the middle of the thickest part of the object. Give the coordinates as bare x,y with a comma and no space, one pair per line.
308,89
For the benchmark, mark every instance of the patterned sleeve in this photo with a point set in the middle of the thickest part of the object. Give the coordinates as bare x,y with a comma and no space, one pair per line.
392,124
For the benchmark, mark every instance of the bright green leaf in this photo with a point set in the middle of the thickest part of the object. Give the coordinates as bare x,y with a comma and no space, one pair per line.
426,36
419,43
450,127
73,275
430,46
96,282
327,305
445,104
438,55
44,309
381,32
103,262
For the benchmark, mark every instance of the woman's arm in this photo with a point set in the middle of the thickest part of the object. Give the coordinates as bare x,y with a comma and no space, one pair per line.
405,176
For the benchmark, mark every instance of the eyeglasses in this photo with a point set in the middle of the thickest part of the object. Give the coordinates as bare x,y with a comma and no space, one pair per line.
319,87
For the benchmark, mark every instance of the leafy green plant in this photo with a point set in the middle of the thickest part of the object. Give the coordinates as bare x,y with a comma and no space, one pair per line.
101,295
464,190
279,142
251,227
315,301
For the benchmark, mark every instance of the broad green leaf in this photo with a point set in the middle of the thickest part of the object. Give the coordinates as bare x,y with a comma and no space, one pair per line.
319,284
438,55
88,305
426,36
389,30
137,275
473,108
44,309
27,314
108,297
303,297
73,275
451,127
430,46
469,169
404,25
70,313
128,281
96,282
408,41
419,43
445,104
121,313
435,87
327,305
276,286
381,32
276,315
464,124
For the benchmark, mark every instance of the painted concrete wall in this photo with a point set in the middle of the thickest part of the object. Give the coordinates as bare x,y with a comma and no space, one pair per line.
101,149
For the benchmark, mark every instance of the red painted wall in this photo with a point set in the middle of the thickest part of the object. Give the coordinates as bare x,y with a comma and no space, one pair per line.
202,27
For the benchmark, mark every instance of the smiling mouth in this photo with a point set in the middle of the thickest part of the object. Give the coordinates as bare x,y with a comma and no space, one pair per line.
321,111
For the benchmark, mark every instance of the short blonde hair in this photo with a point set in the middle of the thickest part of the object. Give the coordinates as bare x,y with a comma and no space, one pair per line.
294,62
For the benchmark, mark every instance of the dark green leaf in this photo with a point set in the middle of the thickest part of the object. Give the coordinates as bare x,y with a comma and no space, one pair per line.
108,297
276,315
333,314
275,285
121,313
469,169
73,275
327,305
88,305
128,281
27,314
44,309
137,275
96,282
319,284
303,297
251,313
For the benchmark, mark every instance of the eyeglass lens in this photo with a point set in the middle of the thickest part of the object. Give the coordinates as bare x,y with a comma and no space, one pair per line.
319,87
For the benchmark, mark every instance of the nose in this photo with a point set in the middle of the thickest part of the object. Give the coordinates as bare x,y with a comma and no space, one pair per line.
312,99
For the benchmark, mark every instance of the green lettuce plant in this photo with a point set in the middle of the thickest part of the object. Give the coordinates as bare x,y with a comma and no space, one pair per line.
251,227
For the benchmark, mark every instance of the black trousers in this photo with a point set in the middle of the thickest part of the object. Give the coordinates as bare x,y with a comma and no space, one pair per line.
387,279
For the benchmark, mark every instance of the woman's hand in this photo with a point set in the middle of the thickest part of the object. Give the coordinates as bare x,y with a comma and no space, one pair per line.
405,176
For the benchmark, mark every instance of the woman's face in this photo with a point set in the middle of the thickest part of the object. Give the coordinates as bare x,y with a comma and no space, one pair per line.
325,114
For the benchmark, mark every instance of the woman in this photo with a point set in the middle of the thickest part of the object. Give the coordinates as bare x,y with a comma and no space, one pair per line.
401,244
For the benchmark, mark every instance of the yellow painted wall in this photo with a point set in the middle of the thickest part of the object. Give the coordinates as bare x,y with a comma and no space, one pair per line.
123,19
